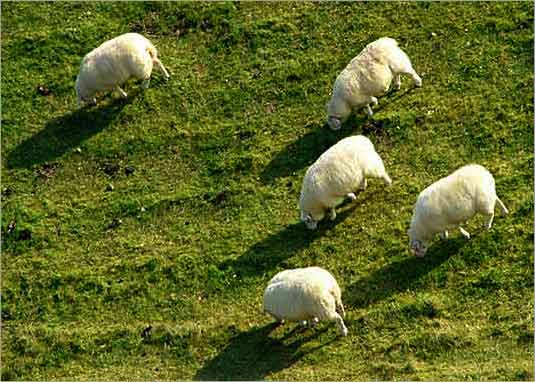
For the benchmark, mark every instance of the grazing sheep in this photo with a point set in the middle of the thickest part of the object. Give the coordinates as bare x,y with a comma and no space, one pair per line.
113,63
337,174
451,201
305,294
366,77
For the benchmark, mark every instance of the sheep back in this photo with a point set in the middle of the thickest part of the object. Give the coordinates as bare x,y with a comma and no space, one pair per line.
453,200
302,294
114,62
368,74
338,171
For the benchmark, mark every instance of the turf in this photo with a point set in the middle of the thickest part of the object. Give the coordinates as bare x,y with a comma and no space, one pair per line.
138,235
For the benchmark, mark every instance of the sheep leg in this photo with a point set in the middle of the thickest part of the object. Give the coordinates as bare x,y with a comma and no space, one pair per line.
340,309
397,81
331,314
145,84
161,67
490,218
123,93
351,196
415,77
332,214
339,323
443,235
363,184
464,232
406,68
502,206
368,109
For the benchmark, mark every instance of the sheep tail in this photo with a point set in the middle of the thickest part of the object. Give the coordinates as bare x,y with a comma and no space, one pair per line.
387,179
153,53
151,50
502,206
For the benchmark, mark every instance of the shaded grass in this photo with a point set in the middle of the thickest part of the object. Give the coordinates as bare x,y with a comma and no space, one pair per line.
241,360
62,135
138,236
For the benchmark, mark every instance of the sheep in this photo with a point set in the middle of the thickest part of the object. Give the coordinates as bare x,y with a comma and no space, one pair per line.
113,63
337,174
367,76
451,201
305,294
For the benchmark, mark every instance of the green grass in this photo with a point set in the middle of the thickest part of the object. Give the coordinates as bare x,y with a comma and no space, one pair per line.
206,171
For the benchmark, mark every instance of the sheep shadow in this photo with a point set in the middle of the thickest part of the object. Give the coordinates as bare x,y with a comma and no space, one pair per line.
64,133
376,128
400,275
275,249
252,355
305,150
393,96
301,153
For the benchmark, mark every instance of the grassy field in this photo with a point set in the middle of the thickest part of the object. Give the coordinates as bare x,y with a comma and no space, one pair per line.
138,235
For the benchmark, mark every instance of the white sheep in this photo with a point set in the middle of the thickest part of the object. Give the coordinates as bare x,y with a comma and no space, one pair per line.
451,201
305,294
337,174
366,77
113,63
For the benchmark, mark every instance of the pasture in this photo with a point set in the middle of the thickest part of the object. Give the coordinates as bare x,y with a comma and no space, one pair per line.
138,235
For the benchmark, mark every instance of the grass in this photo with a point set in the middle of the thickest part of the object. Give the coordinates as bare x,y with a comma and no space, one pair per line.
138,236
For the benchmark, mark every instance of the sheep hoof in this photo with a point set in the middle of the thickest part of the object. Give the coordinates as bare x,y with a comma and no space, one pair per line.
464,233
122,92
332,214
